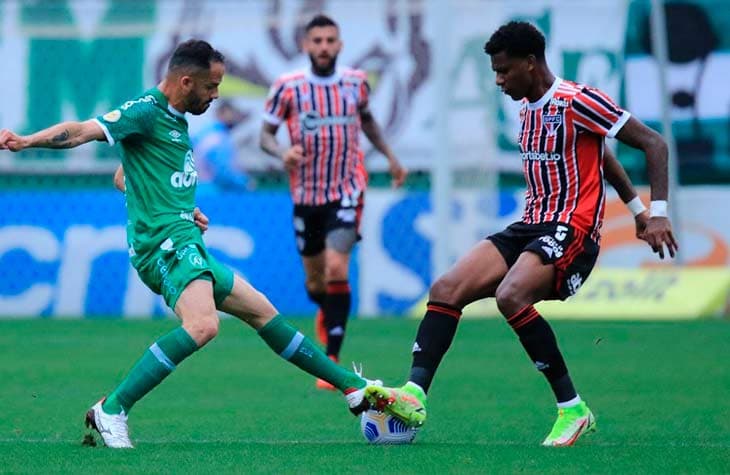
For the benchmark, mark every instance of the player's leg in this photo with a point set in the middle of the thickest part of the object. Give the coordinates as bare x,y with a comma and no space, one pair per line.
473,277
251,306
196,309
529,281
315,283
310,235
341,225
338,302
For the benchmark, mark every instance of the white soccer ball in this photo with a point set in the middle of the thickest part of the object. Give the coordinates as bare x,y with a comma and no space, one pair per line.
380,428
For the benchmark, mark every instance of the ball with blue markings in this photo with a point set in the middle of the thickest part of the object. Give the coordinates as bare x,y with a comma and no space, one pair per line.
380,428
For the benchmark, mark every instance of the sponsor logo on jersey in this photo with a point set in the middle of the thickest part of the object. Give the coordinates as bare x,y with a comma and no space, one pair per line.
541,156
112,116
175,136
551,123
558,102
311,121
146,99
188,177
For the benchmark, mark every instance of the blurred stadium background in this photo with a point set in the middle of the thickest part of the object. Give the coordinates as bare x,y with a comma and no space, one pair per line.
62,246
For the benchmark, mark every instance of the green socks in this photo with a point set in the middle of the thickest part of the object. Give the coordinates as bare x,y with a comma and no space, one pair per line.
156,363
296,348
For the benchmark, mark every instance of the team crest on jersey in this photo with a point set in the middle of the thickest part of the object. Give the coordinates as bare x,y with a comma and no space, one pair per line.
551,123
112,116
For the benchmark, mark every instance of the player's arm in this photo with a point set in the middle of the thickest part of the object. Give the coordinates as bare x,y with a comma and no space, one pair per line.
658,229
291,157
63,135
617,177
372,131
119,179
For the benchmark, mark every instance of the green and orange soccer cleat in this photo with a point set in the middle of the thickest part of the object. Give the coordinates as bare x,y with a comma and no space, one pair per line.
572,422
407,403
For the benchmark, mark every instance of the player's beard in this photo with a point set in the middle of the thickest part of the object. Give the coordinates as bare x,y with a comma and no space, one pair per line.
196,106
325,70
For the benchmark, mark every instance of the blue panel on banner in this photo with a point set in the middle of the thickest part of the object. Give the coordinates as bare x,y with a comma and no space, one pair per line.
64,254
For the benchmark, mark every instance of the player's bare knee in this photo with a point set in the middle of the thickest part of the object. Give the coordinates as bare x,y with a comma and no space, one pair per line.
509,298
444,290
315,285
336,271
203,329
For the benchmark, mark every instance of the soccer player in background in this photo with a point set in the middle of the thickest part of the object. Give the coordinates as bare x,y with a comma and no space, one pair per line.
551,251
165,246
325,108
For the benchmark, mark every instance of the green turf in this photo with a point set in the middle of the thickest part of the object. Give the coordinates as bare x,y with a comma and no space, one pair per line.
659,390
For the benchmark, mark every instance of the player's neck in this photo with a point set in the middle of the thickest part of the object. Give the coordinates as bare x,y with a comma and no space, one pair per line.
545,81
174,98
323,73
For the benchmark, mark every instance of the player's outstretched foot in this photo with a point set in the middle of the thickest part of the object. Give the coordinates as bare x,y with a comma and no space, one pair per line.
111,427
572,422
355,398
407,403
319,328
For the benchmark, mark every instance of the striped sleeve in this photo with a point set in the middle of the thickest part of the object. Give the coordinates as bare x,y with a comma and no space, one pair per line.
597,113
277,103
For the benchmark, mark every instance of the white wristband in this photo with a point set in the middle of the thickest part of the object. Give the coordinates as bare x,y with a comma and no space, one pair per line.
658,209
636,206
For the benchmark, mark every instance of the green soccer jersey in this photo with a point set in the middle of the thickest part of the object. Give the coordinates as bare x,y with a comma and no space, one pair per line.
159,169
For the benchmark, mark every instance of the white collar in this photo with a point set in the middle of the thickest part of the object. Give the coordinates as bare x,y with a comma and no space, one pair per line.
175,112
546,97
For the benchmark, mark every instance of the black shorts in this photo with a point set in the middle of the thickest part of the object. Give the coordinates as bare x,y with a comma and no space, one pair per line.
312,224
571,251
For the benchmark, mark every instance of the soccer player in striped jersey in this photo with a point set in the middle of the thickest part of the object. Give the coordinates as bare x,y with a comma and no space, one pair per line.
164,234
551,251
325,108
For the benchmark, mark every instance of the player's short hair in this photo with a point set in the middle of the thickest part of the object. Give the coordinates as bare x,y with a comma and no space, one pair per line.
320,20
194,54
517,39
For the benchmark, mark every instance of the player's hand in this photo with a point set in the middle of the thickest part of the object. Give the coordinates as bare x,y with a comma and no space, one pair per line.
658,234
293,157
200,220
11,141
641,220
398,173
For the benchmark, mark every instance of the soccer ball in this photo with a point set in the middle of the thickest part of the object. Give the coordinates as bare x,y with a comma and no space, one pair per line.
380,428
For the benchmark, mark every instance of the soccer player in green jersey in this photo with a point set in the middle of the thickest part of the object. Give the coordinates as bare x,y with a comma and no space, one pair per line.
165,245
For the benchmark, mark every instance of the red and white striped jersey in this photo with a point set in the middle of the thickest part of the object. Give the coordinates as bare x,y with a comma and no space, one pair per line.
561,143
323,116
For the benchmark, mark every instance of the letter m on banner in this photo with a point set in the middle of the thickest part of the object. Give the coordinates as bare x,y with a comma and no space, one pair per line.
70,69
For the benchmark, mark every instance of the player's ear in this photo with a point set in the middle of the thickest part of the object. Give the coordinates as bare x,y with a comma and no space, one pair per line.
531,62
186,82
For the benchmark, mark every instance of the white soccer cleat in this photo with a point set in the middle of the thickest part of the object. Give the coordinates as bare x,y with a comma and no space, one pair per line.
356,399
111,427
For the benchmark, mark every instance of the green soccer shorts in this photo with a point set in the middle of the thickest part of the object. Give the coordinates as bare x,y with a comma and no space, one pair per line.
168,271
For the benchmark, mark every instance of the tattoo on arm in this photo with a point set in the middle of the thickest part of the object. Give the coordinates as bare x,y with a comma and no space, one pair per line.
60,138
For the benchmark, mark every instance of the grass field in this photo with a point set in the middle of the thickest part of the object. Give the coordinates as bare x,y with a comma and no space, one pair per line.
659,390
